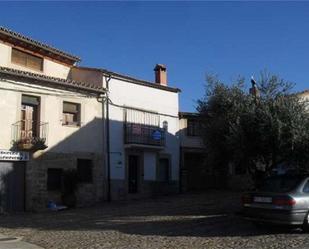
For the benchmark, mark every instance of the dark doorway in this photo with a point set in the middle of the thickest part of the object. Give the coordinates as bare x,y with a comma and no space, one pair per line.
196,172
163,170
12,186
133,169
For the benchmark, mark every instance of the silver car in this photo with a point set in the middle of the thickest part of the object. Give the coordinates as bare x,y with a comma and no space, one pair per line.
280,200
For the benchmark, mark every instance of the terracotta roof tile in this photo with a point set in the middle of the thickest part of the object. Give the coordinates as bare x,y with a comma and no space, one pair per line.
131,79
36,43
53,80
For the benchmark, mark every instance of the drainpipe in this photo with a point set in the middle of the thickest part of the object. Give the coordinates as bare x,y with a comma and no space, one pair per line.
107,79
105,128
180,169
101,99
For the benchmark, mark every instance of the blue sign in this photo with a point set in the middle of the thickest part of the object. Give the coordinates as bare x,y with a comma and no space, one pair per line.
156,135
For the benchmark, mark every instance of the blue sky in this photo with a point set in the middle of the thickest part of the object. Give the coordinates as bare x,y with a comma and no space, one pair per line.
191,38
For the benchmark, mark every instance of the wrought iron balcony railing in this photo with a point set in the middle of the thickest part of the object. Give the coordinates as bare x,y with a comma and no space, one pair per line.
29,135
144,134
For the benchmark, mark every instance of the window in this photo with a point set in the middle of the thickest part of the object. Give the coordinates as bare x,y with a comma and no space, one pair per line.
84,170
281,184
306,187
29,116
71,114
27,60
193,127
54,179
163,170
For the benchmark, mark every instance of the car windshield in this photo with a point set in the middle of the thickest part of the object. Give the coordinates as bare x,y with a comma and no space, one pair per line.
280,184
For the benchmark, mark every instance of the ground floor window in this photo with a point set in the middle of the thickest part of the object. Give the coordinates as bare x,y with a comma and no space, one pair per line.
54,179
163,173
84,170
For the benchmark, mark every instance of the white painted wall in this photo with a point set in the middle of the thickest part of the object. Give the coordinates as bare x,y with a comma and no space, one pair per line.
164,102
50,67
86,138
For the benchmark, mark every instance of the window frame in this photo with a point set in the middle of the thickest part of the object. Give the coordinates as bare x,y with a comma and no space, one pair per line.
28,55
78,113
193,130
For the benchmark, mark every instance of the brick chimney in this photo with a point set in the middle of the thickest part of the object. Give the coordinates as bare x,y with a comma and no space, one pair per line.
161,74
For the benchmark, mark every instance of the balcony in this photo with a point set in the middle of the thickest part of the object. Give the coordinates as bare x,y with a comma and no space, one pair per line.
144,135
28,135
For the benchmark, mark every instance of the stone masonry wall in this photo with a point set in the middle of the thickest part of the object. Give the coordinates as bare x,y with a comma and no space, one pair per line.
37,195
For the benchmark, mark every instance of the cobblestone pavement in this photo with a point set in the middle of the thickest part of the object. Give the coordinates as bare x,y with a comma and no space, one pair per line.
181,221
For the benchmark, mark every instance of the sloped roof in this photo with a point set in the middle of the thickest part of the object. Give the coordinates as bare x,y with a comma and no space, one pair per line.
38,78
189,114
14,35
131,79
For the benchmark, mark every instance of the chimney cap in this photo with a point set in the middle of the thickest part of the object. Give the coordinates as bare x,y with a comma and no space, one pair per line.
160,67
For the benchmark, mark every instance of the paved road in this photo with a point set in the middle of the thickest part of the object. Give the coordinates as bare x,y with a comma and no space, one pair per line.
182,221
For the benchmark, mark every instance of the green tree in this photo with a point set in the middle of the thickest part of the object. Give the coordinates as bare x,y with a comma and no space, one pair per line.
254,131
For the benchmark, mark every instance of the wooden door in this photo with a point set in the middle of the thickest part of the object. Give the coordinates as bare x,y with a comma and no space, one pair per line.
29,120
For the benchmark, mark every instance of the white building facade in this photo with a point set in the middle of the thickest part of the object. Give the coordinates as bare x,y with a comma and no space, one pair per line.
141,132
52,123
118,134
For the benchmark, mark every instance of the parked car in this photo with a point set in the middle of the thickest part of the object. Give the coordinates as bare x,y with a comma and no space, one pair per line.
281,199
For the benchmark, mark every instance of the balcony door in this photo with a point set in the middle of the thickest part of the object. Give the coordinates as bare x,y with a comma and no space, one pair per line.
133,173
29,117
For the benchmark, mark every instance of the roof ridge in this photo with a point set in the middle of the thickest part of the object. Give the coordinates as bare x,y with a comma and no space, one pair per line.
121,75
38,43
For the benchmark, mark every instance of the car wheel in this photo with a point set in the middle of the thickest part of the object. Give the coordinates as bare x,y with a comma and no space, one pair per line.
305,226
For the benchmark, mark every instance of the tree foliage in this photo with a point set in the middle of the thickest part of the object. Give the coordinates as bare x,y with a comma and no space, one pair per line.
254,132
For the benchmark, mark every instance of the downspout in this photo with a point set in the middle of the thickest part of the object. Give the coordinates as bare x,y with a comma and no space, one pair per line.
105,132
107,79
180,169
102,99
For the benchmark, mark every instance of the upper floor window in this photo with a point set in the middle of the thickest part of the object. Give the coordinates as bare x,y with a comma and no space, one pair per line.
71,114
28,60
193,127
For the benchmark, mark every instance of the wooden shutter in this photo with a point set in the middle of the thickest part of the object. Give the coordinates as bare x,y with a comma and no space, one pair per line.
27,60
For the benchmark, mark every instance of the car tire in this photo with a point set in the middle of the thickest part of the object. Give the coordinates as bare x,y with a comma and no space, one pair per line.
305,226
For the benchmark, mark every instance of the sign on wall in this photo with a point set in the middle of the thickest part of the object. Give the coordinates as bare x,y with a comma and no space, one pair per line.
156,135
7,155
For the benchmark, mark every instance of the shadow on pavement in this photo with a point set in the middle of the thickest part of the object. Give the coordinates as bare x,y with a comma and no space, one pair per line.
196,215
